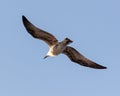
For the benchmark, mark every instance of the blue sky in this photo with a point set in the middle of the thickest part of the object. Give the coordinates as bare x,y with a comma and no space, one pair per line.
93,25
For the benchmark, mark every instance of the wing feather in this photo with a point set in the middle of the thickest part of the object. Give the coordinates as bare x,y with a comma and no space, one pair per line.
39,33
75,56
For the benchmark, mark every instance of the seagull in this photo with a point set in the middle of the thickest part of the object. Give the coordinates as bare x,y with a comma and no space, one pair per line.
56,47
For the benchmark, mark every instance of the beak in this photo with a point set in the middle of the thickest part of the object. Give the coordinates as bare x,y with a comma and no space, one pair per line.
46,56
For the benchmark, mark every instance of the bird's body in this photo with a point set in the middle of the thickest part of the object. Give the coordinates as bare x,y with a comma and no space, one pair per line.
59,47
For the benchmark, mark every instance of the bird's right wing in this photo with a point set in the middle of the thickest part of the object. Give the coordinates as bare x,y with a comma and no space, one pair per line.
75,56
39,33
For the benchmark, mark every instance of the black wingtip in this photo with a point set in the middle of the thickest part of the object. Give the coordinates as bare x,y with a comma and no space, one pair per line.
104,68
100,67
26,22
24,18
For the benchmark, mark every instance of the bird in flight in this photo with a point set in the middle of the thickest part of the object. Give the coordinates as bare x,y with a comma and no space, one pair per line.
56,47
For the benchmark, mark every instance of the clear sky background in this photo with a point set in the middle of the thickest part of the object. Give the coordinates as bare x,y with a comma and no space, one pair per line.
93,25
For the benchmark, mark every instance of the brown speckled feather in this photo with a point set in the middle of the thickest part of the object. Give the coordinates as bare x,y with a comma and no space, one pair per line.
75,56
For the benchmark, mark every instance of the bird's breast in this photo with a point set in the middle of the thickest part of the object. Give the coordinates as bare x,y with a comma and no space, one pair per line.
57,49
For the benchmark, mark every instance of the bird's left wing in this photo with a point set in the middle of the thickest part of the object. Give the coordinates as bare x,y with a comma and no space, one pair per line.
39,33
75,56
